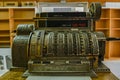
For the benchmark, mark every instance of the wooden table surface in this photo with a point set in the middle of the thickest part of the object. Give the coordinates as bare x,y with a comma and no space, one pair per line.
16,75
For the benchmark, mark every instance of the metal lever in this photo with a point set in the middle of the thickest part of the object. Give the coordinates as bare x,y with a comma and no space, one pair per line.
112,39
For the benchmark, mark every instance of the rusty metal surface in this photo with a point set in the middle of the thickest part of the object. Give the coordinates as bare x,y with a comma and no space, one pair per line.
95,10
25,29
59,66
20,51
60,45
63,45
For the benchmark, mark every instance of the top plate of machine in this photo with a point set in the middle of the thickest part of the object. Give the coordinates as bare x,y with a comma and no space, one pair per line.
64,14
62,7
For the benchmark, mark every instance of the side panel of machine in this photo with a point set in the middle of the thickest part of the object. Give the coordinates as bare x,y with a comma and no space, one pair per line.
21,45
20,51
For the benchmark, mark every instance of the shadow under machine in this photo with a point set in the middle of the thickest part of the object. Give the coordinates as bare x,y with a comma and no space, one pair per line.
63,41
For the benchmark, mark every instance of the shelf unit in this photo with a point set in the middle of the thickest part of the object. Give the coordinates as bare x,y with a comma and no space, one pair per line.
9,19
110,25
4,38
104,25
114,50
23,16
4,27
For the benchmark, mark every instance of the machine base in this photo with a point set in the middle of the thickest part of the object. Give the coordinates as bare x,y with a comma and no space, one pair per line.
17,75
103,73
91,74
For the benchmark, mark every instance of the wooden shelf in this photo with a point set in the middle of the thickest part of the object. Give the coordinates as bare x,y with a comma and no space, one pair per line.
2,31
103,23
115,49
4,19
107,55
104,18
4,13
5,41
4,36
102,28
24,19
4,25
105,13
115,18
116,29
115,23
115,33
110,25
114,58
115,13
26,13
10,18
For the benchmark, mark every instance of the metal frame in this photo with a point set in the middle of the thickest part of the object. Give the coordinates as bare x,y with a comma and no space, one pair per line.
63,5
